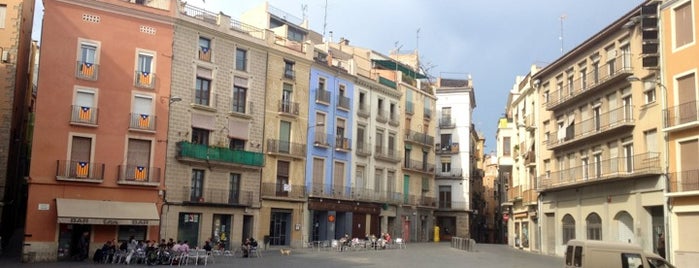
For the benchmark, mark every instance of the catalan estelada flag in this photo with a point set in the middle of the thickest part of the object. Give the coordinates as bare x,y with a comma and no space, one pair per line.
204,54
144,121
144,78
87,69
140,173
82,169
85,113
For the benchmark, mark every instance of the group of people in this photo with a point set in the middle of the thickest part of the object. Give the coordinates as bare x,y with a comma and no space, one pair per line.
152,250
379,242
248,246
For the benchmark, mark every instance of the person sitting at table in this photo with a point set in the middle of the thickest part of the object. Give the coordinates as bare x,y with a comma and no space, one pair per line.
245,247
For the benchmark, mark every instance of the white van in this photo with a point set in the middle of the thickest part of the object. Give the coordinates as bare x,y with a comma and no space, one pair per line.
602,254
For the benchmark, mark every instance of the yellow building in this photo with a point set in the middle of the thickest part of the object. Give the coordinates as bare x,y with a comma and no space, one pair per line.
679,51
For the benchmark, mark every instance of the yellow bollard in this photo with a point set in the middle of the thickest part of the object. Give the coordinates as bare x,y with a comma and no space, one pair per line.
436,234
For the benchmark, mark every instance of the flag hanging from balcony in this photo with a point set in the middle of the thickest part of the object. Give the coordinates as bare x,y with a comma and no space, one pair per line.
144,78
85,113
82,169
204,50
144,121
87,69
140,173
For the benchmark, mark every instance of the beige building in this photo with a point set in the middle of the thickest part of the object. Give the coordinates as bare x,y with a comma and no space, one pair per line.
678,93
521,194
600,163
215,146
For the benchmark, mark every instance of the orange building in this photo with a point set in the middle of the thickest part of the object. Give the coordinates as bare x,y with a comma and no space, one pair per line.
100,134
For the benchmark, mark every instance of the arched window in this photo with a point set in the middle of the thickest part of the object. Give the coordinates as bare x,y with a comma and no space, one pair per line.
568,228
594,226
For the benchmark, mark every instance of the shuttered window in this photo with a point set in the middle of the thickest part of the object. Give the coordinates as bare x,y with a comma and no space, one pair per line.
683,24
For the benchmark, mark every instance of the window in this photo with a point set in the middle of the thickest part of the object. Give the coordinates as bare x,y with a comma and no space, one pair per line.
628,154
684,32
287,92
80,157
241,59
687,98
234,188
339,177
568,228
84,110
289,69
144,73
391,145
391,181
3,14
87,68
200,136
378,178
239,99
506,146
137,160
236,144
360,138
359,182
446,165
295,35
649,91
282,185
196,192
202,91
651,139
285,136
88,53
142,116
445,196
594,227
318,174
204,49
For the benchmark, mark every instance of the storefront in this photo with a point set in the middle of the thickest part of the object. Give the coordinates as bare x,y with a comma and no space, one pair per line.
332,219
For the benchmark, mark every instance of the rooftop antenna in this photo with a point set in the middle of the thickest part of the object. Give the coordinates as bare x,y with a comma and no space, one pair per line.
417,39
562,18
325,17
304,11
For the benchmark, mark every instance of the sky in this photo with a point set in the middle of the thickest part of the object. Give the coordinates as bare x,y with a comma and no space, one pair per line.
494,41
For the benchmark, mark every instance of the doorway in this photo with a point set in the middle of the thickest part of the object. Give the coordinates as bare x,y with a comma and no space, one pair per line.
280,227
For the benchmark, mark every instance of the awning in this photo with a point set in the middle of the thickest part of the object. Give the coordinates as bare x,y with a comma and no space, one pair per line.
393,65
77,211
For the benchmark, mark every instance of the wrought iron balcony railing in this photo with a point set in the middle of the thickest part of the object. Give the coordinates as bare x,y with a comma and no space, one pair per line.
451,173
144,79
323,96
139,175
684,181
606,122
271,189
286,148
289,108
216,196
684,113
418,137
188,150
142,122
87,70
83,171
83,115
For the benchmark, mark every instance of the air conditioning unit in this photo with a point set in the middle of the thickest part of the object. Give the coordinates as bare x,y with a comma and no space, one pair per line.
5,56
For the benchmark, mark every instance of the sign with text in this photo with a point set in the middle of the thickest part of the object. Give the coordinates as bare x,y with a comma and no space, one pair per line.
98,221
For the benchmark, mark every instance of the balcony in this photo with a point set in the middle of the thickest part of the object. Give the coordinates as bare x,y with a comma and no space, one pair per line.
530,158
210,196
199,153
419,166
144,79
514,193
247,29
420,200
617,168
204,54
530,197
453,173
394,120
381,116
419,138
283,190
139,175
200,14
446,123
288,108
286,148
83,115
363,148
79,171
529,122
371,195
619,119
321,139
330,191
387,82
289,74
343,144
323,96
363,111
343,102
409,108
446,148
684,181
143,122
87,71
452,205
682,116
387,154
615,70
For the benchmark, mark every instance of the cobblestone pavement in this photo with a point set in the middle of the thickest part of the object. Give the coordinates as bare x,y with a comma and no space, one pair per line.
415,255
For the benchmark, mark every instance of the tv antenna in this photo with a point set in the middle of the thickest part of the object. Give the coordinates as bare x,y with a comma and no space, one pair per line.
562,18
325,18
417,39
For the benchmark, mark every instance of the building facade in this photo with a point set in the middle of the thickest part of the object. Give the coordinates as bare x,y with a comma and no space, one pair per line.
455,150
215,144
677,89
98,148
16,104
600,165
505,165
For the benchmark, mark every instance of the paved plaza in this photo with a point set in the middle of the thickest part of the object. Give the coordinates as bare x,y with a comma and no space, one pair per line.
415,255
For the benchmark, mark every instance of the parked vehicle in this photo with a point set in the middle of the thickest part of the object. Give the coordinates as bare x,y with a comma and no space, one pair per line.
603,254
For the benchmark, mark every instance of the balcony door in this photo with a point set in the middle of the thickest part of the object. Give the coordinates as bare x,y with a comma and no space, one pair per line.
687,97
284,136
138,160
80,153
234,189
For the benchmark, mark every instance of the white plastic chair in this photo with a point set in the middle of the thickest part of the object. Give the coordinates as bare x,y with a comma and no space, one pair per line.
400,243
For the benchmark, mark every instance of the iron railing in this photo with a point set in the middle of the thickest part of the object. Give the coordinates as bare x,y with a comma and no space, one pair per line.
87,71
79,171
684,181
83,115
142,121
684,113
203,152
614,119
139,175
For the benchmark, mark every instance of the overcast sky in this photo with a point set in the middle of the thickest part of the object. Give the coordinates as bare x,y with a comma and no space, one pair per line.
494,41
